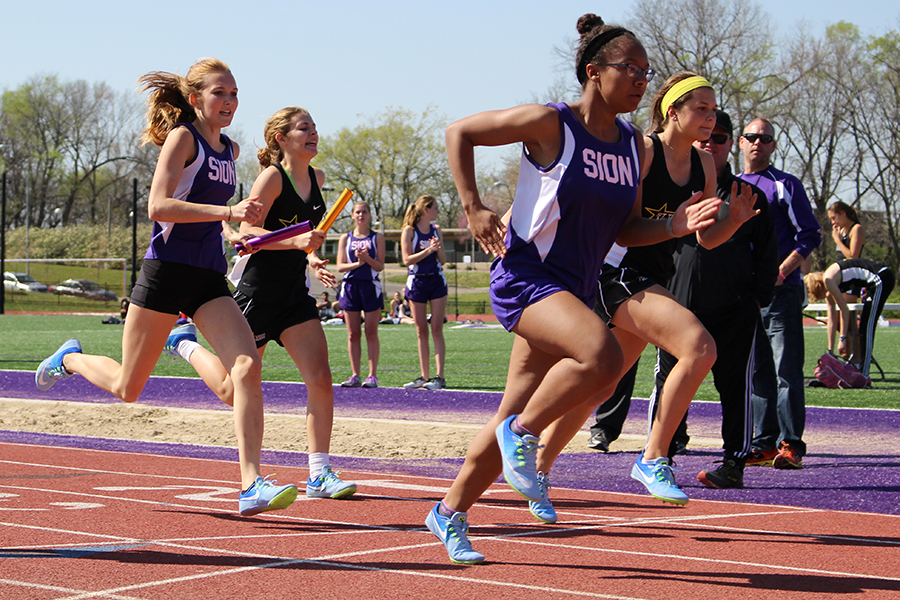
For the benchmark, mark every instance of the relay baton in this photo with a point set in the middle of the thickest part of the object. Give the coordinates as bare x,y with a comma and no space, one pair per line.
334,211
276,236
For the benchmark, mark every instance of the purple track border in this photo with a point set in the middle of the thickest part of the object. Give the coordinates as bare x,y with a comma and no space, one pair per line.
863,478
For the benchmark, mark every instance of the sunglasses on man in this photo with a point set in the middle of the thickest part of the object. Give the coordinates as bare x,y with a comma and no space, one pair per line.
717,138
763,138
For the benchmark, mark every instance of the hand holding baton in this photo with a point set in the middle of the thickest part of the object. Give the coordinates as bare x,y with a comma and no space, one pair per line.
276,236
335,210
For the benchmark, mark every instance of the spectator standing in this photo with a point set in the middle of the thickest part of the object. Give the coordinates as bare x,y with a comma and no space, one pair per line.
361,259
422,248
779,404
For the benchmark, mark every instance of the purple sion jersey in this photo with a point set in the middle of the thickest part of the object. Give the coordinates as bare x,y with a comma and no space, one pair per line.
364,271
565,218
208,179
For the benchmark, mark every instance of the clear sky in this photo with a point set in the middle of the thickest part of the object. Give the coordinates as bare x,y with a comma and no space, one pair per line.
342,60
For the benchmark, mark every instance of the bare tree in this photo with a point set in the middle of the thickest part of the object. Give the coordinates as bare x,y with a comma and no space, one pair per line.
66,140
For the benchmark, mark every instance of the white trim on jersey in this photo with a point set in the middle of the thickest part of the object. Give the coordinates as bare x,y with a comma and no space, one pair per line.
185,184
535,213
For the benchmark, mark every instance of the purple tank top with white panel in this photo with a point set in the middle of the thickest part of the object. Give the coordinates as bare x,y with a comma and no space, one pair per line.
430,264
566,217
208,179
363,272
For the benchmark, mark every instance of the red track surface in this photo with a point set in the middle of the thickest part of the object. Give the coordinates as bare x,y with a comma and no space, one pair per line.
90,524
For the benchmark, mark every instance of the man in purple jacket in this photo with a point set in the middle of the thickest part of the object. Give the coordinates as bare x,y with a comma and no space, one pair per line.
779,406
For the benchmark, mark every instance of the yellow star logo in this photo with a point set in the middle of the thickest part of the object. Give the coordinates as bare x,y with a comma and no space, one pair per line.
662,213
291,222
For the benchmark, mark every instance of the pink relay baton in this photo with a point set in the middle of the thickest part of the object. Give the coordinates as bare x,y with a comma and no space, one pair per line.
276,236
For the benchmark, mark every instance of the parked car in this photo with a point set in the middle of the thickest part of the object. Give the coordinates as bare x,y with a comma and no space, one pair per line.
84,289
22,282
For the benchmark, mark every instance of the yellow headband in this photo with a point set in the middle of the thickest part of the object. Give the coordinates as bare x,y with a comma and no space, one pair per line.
680,89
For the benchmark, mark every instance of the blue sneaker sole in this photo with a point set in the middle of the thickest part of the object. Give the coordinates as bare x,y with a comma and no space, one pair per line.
543,519
279,502
345,493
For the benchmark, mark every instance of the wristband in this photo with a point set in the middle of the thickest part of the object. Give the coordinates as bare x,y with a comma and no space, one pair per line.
229,212
782,275
843,338
669,227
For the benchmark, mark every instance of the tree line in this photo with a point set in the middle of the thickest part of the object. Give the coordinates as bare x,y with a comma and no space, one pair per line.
70,149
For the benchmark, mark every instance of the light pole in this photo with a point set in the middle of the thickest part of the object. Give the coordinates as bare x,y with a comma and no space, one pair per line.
3,235
27,225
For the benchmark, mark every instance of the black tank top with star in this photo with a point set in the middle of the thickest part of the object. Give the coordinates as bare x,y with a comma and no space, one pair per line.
278,276
660,197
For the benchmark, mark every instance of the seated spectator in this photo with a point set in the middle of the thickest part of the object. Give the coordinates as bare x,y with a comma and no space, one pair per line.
401,311
326,307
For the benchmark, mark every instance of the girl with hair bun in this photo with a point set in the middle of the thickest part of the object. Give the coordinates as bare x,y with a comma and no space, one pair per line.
579,190
184,268
632,294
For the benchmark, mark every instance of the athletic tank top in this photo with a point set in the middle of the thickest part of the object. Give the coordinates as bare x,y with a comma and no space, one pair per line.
430,265
272,275
845,239
566,216
661,197
208,179
364,271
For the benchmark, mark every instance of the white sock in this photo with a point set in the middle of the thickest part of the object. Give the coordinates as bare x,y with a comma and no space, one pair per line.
317,461
185,348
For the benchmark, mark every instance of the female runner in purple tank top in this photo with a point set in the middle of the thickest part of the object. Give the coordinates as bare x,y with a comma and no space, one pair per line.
633,298
578,191
184,270
360,258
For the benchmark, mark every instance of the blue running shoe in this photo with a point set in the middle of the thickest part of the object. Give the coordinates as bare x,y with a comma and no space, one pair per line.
188,331
543,510
659,480
264,495
329,485
519,459
453,533
51,369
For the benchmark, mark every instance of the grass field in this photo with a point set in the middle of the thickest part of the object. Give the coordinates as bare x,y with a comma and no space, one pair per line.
477,359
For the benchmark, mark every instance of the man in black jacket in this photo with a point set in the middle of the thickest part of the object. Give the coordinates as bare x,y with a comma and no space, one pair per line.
725,288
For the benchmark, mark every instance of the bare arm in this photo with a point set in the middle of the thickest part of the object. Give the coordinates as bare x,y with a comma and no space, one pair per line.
407,235
177,151
266,189
535,125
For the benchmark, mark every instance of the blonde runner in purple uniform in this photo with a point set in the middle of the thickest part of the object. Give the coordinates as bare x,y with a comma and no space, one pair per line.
184,270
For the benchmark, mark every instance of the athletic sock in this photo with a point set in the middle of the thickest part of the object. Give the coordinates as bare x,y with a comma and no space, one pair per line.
444,510
185,348
317,462
517,428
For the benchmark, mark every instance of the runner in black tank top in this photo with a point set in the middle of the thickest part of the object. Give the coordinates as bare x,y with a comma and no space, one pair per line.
273,293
